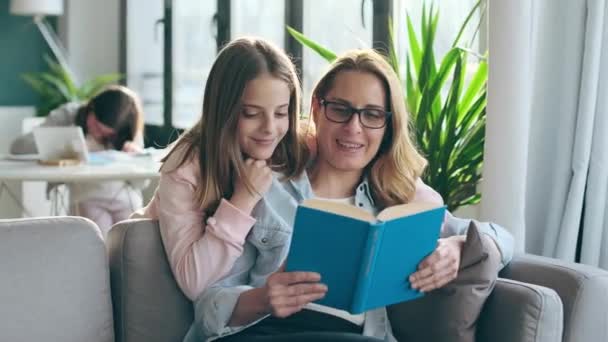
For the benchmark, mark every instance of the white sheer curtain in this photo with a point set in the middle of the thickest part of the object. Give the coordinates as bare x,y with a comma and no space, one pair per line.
546,164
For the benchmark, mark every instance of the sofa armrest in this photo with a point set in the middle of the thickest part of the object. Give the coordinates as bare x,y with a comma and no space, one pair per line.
521,312
54,281
583,290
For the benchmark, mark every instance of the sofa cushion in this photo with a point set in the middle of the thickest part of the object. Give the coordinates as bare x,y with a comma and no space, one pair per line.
148,304
523,312
55,282
451,312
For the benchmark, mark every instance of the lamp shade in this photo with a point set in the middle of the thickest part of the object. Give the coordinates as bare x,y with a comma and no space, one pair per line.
36,7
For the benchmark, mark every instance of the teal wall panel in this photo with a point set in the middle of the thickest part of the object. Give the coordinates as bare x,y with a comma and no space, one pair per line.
22,48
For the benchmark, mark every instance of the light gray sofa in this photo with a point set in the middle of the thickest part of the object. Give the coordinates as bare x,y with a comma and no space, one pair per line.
537,300
55,286
54,281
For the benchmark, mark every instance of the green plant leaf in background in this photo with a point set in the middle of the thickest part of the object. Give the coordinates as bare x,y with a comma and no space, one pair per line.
316,47
450,132
56,87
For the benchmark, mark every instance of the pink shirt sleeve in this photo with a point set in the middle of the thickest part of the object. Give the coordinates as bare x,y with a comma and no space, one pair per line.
199,254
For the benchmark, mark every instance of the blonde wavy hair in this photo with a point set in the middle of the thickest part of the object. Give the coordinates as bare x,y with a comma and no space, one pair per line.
213,142
397,166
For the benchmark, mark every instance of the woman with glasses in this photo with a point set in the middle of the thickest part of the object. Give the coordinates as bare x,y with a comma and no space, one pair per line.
364,156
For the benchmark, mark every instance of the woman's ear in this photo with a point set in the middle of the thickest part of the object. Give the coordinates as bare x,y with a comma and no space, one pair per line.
315,108
315,103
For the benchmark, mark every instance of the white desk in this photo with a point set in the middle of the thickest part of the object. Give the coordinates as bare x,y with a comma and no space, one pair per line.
141,168
136,168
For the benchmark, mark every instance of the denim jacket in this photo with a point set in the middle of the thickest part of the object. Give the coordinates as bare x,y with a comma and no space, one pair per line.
266,248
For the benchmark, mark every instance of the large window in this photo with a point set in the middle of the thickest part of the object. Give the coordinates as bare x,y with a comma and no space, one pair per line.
262,18
144,55
194,49
197,28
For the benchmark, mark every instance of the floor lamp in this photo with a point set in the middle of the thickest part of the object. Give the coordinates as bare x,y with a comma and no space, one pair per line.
39,9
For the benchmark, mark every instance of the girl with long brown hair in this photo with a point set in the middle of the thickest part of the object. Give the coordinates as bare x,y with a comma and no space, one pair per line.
218,171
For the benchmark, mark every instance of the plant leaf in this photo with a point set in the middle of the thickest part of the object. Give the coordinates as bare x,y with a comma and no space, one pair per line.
415,54
93,86
58,83
392,49
475,85
318,48
58,71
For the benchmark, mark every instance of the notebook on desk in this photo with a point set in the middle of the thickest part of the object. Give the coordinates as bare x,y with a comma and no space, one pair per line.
56,144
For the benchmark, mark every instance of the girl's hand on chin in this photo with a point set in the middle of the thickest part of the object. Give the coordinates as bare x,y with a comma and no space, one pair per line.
259,175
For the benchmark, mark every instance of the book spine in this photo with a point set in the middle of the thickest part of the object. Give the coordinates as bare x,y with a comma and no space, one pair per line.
367,268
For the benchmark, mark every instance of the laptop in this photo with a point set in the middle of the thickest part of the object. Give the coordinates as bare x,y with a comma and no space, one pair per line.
60,143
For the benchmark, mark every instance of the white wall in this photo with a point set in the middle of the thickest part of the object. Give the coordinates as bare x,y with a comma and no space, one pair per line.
11,119
91,32
10,128
505,155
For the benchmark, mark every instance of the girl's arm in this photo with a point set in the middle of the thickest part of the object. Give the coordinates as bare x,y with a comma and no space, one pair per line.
62,116
137,145
200,251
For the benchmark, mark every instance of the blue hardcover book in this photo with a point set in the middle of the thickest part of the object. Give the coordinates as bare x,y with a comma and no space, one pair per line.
365,261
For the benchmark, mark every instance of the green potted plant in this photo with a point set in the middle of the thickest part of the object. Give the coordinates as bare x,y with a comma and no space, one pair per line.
448,109
56,87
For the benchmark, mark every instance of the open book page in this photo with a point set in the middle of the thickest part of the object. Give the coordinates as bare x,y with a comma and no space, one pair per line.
340,209
406,210
405,241
333,245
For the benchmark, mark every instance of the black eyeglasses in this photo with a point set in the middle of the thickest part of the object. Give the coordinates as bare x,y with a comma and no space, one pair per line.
369,117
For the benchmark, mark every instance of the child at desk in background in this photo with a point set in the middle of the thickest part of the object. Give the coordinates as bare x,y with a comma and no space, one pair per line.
112,120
